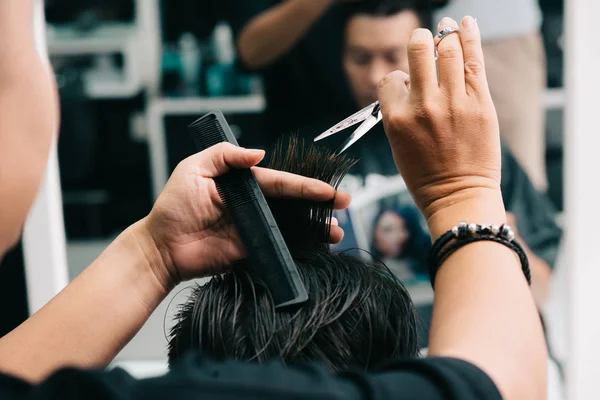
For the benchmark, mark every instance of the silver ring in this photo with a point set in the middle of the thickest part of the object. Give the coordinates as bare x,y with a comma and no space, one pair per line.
441,35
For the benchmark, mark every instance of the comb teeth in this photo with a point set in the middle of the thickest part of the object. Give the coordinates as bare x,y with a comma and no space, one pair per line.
208,131
234,189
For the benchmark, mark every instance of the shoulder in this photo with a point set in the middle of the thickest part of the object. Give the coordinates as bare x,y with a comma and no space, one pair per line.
442,378
197,376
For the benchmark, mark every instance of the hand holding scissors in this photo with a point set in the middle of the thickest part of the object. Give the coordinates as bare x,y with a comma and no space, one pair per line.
371,115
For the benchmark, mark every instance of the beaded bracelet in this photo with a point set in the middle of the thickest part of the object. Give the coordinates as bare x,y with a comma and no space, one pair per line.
463,234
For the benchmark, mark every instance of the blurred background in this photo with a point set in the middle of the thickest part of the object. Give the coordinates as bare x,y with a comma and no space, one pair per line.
133,74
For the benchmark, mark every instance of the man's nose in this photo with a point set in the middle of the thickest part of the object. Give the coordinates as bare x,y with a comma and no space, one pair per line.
377,72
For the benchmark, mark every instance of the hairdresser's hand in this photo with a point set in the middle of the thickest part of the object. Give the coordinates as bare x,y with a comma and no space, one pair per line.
189,225
445,136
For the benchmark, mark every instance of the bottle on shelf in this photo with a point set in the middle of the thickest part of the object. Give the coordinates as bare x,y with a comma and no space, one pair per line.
172,71
221,79
191,63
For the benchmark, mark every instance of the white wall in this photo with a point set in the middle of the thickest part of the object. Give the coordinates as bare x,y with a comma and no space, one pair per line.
582,141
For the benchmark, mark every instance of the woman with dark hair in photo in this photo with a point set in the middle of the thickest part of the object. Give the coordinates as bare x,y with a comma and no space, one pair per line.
401,243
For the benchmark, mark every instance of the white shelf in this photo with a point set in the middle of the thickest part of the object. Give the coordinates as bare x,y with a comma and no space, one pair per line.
194,105
117,88
159,108
109,38
106,39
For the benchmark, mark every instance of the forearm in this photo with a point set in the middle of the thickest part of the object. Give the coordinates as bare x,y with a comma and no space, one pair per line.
93,318
274,32
483,310
541,275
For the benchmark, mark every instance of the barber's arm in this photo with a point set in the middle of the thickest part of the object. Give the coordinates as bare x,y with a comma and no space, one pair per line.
186,235
272,33
483,310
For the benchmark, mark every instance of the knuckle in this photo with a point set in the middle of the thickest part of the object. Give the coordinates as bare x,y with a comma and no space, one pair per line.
280,185
396,117
418,45
448,52
386,79
221,147
470,41
392,76
429,109
473,67
220,162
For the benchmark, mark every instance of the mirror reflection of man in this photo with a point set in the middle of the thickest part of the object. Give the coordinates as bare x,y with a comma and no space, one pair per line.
295,46
376,37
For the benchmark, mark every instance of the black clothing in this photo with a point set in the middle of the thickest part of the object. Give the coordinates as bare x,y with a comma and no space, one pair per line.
197,377
307,83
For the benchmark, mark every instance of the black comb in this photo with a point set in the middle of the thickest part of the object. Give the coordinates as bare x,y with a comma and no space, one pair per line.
252,217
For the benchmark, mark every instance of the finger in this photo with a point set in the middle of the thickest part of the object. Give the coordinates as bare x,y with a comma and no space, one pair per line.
342,200
222,157
275,183
474,66
334,221
391,92
450,60
336,234
421,63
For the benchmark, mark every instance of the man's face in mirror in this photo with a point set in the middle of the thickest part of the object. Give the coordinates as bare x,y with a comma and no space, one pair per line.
374,47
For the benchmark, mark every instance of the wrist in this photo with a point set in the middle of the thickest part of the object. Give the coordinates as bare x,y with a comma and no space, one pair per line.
158,263
481,206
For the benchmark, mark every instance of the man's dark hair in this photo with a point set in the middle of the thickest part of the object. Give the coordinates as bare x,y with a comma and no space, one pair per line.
357,314
387,8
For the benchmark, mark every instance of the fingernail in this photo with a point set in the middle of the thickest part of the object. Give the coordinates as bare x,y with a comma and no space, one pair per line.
256,151
447,22
468,22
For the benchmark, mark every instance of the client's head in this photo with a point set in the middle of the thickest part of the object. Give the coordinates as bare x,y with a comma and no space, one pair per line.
357,314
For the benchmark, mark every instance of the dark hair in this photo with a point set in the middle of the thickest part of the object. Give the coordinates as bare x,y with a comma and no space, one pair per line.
357,314
387,8
418,244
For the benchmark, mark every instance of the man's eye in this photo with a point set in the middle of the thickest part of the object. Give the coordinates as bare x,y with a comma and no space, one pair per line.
361,59
393,58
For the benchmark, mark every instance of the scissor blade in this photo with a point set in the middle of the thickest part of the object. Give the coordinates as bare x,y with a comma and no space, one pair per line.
359,132
354,119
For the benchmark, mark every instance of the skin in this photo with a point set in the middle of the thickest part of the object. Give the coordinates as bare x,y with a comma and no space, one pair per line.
390,234
451,163
376,46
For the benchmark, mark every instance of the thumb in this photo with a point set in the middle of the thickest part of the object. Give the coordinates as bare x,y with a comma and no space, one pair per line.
222,157
392,91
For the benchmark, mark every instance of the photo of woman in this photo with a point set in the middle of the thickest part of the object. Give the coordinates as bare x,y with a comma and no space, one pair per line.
400,241
383,223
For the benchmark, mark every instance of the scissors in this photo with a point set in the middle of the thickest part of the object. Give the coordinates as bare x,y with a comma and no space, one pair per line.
371,114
